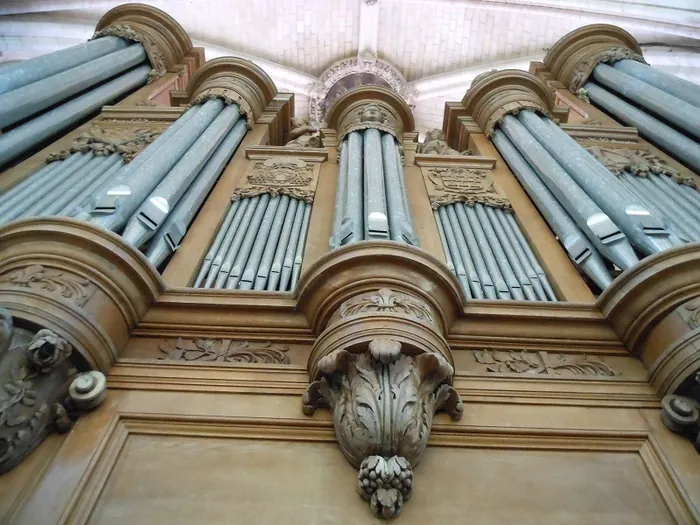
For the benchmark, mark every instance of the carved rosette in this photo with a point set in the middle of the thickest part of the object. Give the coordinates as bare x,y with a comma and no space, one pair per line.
495,94
282,175
166,43
383,368
232,80
39,389
572,59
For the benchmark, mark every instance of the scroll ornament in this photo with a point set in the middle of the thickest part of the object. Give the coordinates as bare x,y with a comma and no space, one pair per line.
471,186
681,414
103,141
39,389
155,55
280,176
383,402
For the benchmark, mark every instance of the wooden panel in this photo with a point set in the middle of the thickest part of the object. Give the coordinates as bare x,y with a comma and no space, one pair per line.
182,480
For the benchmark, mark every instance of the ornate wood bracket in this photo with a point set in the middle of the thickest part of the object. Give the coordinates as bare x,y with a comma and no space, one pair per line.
39,389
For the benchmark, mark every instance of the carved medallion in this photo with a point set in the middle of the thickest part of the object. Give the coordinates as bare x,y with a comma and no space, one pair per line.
457,184
534,363
383,403
225,351
37,277
280,176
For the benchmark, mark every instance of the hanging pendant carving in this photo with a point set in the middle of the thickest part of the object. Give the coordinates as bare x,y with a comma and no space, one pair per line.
37,396
383,402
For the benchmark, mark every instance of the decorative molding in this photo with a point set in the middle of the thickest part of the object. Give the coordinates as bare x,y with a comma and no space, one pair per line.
385,300
34,398
155,55
280,175
435,144
225,351
535,363
105,138
70,287
350,73
573,57
383,403
450,184
370,115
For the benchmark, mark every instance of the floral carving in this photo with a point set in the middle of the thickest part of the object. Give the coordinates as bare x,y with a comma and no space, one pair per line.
280,176
580,73
38,277
524,362
155,55
105,140
47,350
435,144
386,300
382,414
456,184
226,351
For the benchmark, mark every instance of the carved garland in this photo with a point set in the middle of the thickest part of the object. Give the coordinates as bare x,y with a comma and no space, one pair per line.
155,55
104,140
471,186
225,351
584,68
280,176
534,363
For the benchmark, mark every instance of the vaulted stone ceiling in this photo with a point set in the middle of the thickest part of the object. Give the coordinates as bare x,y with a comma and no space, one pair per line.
437,46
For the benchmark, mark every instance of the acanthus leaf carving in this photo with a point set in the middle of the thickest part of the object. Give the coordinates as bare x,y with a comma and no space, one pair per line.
154,53
457,184
387,300
70,287
383,403
584,68
280,176
104,140
225,351
541,362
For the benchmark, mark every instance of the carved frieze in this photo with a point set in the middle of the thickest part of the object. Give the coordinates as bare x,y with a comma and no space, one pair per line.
107,137
225,351
541,363
383,402
69,287
35,396
127,32
450,184
435,144
280,175
385,300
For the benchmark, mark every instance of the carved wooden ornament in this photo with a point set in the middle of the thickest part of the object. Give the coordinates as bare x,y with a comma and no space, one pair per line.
281,175
450,184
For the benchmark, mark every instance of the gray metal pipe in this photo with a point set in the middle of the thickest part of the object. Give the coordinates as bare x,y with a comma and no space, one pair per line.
340,191
230,247
645,230
375,211
290,252
284,240
404,197
301,243
223,230
665,137
17,75
399,229
259,226
672,109
692,195
512,241
574,241
598,227
450,226
258,246
33,98
79,204
156,208
464,245
513,273
21,202
666,82
679,190
443,241
169,236
24,187
264,265
352,224
655,186
22,138
485,279
73,188
112,212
